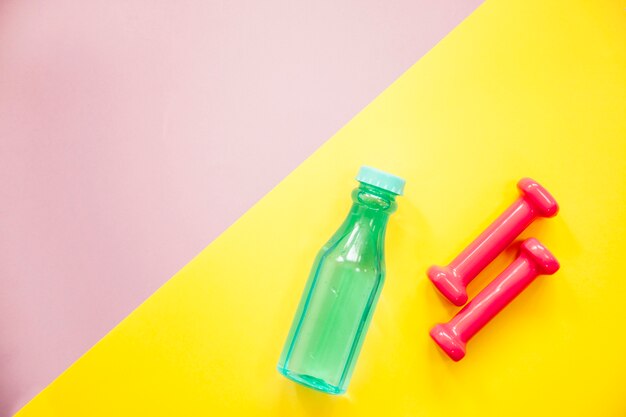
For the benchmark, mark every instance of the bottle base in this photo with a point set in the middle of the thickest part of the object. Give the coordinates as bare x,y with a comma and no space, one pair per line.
311,382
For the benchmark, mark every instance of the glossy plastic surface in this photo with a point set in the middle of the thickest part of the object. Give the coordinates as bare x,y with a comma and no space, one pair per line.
534,260
535,201
340,296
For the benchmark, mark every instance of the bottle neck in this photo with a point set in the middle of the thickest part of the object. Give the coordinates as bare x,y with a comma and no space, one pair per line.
374,200
362,234
371,208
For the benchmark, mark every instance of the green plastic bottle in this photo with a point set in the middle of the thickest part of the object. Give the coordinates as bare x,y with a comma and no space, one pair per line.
342,290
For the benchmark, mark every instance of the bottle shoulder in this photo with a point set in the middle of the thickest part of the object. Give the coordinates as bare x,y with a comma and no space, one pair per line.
337,263
354,246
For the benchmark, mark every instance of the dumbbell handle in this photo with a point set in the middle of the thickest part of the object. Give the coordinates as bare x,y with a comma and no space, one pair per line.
486,247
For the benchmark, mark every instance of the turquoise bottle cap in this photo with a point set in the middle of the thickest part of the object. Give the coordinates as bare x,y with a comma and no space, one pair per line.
381,179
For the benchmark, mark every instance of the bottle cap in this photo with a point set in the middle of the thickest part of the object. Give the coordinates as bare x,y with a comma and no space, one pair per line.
381,179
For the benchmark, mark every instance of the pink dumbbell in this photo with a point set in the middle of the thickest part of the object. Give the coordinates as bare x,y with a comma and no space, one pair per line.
534,260
452,280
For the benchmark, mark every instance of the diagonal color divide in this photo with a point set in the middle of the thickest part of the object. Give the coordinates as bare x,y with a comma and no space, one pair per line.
520,88
134,133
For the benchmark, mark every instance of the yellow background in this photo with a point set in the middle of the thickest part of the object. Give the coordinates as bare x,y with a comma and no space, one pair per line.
521,88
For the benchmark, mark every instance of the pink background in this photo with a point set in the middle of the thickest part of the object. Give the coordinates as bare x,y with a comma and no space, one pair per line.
133,133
